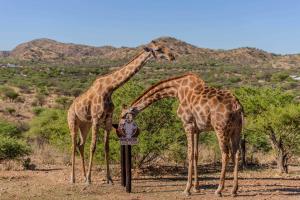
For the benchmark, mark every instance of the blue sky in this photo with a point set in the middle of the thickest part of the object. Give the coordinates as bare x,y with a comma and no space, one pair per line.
272,25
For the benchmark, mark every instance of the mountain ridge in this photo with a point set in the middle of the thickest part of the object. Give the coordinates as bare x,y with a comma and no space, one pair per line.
52,51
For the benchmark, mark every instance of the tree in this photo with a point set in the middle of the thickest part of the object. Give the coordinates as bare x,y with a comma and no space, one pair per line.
256,101
281,125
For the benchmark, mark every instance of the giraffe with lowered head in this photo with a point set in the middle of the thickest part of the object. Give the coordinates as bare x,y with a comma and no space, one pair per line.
201,108
94,108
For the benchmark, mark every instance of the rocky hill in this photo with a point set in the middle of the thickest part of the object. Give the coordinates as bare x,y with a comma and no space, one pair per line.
50,51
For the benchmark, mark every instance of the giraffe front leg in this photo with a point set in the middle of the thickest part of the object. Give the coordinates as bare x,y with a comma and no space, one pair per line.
225,152
95,129
73,131
190,139
196,183
106,146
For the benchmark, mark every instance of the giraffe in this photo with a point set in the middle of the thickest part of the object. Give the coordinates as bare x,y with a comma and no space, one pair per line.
201,108
94,108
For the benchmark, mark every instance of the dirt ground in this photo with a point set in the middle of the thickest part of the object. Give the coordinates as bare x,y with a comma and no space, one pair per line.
52,182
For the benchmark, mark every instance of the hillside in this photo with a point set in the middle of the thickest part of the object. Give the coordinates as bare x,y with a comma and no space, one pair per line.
51,51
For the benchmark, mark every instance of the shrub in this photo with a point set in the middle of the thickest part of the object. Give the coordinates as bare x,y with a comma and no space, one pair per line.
63,102
280,76
10,110
11,145
50,126
39,100
12,148
37,110
8,93
9,130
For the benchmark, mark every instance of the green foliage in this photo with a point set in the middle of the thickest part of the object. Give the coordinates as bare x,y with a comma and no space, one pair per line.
63,102
37,110
50,126
12,148
283,123
257,100
280,76
11,144
9,130
10,110
8,93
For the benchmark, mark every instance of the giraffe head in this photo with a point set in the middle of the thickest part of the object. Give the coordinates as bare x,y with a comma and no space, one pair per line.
128,113
160,51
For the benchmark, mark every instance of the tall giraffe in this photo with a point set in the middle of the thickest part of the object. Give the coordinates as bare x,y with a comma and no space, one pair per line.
94,108
201,108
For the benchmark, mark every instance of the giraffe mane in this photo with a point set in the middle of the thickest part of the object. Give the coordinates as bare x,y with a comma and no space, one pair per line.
163,81
137,55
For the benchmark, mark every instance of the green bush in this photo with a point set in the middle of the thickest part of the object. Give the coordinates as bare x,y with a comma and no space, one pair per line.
12,148
63,102
11,144
37,110
8,93
9,130
280,76
10,111
50,126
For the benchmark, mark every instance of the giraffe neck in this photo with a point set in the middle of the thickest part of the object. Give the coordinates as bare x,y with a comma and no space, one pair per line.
125,73
159,91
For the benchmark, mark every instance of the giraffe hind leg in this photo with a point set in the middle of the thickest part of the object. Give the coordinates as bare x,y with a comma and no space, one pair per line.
73,130
223,143
84,129
235,142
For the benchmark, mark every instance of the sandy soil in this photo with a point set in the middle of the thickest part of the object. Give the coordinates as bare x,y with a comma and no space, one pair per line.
52,182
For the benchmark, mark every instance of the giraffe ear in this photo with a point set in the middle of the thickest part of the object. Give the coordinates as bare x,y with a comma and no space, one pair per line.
147,49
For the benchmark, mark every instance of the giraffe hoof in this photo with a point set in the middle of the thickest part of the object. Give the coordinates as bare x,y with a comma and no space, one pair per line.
186,193
233,194
218,193
196,190
88,182
109,181
72,180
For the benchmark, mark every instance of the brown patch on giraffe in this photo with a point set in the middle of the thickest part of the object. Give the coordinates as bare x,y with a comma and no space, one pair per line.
203,100
180,110
184,82
213,102
108,80
189,96
221,108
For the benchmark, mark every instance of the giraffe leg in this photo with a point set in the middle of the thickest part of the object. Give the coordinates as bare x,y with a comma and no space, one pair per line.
108,127
95,130
190,139
235,141
84,129
225,154
106,146
196,183
74,130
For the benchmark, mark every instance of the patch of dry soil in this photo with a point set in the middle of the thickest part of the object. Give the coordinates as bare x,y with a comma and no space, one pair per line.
53,183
